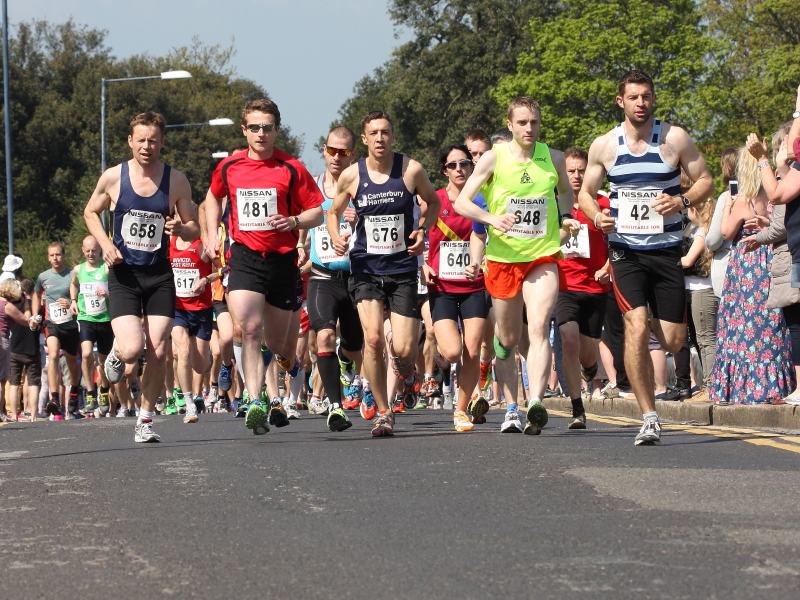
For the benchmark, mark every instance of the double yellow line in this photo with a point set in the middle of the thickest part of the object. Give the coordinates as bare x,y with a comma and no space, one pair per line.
751,436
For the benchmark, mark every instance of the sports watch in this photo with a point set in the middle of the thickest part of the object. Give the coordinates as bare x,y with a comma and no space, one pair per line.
686,202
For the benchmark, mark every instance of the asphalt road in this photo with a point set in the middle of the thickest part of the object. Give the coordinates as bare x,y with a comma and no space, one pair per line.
216,512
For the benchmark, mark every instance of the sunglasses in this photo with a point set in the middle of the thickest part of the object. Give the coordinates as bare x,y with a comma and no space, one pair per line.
339,151
461,163
254,127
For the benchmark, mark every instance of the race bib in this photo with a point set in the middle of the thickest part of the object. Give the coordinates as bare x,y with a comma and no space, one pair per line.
142,230
184,281
422,289
385,234
635,215
323,245
58,314
453,259
577,247
92,303
531,217
254,206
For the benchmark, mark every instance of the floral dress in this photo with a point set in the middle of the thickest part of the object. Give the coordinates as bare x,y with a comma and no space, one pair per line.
753,364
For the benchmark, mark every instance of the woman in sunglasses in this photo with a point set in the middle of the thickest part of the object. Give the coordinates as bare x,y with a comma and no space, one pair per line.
452,296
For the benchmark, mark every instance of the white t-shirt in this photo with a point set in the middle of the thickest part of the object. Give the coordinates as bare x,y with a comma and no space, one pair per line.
693,282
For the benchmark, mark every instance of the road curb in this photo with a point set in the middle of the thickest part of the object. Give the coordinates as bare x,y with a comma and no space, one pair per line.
786,418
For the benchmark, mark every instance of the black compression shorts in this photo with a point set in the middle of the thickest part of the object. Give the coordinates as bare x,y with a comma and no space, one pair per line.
99,333
328,302
588,310
399,292
455,306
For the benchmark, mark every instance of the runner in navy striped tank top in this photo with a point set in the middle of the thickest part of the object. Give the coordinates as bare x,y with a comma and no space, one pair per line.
643,158
143,193
383,257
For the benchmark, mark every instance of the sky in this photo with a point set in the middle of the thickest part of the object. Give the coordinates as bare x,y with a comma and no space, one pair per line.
307,54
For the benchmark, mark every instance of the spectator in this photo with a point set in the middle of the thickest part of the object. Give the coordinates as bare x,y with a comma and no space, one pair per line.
714,240
13,305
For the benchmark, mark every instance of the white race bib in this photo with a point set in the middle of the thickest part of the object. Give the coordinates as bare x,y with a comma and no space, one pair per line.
184,281
142,230
385,234
577,247
92,303
254,206
422,289
453,259
323,245
635,215
57,314
531,216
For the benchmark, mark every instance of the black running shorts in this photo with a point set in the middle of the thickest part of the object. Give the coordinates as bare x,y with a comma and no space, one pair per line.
586,309
399,292
68,336
270,273
455,306
329,302
99,333
141,290
651,278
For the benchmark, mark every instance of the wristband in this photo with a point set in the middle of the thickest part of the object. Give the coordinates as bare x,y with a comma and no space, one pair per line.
762,164
595,219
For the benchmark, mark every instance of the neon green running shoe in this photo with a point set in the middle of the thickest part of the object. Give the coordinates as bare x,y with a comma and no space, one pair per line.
171,409
257,418
337,420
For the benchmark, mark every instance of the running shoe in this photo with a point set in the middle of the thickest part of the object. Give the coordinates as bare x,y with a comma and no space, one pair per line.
461,421
610,390
225,381
114,367
239,409
337,420
136,391
319,406
277,414
649,434
284,363
449,401
437,403
199,404
180,402
397,404
211,399
535,418
477,409
440,361
91,404
511,423
589,373
256,418
52,408
191,413
383,424
409,399
402,368
160,405
347,370
143,432
421,404
104,404
430,388
349,403
368,407
131,412
266,356
578,422
170,408
486,375
291,409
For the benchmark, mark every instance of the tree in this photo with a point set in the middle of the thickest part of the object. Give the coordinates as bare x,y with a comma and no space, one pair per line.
576,59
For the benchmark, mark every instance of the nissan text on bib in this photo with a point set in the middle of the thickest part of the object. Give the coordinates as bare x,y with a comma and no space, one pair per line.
577,246
531,217
635,215
385,234
142,230
453,259
184,281
254,206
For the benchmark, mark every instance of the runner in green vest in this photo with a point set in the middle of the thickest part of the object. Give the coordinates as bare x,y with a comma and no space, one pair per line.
89,300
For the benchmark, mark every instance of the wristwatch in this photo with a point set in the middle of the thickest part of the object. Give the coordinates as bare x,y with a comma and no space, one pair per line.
296,222
686,202
424,230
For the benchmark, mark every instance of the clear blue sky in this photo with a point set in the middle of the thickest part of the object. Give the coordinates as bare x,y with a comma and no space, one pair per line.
307,54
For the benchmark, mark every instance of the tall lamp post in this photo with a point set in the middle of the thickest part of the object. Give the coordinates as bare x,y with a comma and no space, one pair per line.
7,111
103,83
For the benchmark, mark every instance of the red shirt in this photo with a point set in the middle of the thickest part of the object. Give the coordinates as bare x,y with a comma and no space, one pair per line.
449,264
259,188
579,272
187,269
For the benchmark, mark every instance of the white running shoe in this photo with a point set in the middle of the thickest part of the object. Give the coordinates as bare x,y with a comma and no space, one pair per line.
649,434
143,433
291,409
191,413
211,399
114,367
511,424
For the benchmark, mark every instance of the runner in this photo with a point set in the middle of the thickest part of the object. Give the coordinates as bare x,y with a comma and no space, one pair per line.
89,296
581,306
643,158
383,253
454,299
478,144
191,332
143,193
328,302
61,330
271,195
522,251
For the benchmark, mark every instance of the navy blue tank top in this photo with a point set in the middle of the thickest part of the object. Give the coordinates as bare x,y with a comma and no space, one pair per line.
385,220
139,222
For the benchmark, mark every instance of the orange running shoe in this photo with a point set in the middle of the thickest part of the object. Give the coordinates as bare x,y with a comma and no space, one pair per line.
397,404
461,421
430,388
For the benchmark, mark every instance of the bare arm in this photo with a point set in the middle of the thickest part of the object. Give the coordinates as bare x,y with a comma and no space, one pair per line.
36,303
695,251
212,207
464,204
592,180
566,197
16,315
100,201
477,243
187,227
345,189
429,203
714,239
696,169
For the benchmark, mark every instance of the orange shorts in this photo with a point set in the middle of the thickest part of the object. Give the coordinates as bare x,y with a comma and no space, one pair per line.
504,280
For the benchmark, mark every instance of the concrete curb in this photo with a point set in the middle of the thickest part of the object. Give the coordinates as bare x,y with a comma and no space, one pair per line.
784,418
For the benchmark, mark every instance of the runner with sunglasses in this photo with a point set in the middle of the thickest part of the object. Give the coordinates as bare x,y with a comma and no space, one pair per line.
271,195
453,298
383,254
522,250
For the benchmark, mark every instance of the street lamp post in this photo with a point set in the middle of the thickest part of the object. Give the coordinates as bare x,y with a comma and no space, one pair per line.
7,110
103,83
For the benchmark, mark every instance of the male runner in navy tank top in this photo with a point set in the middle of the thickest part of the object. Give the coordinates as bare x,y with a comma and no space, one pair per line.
142,194
383,255
643,158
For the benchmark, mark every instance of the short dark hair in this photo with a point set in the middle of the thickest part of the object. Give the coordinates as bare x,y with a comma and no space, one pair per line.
576,153
502,135
149,119
57,244
634,76
26,286
523,102
477,135
449,149
343,132
262,105
374,116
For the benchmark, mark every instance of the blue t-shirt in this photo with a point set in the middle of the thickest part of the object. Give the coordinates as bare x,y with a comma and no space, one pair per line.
480,228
